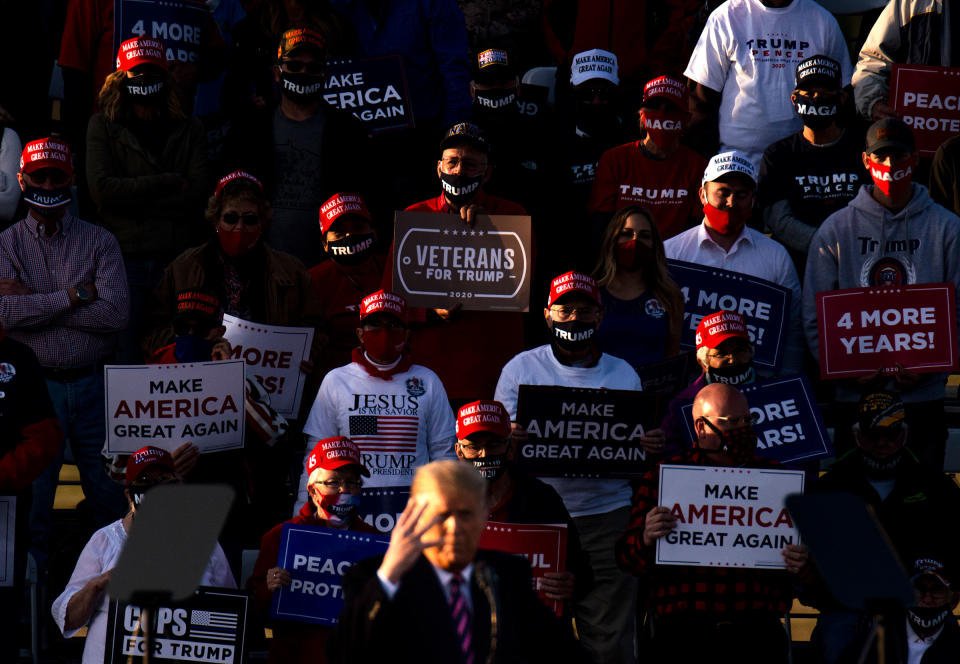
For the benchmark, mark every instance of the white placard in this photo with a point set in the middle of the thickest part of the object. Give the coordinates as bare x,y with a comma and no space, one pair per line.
274,354
8,527
165,405
727,517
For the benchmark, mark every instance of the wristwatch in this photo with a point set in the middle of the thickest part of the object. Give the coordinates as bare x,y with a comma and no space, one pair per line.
82,294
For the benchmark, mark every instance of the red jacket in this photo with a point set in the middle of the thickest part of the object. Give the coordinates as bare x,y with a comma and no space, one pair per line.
462,351
293,642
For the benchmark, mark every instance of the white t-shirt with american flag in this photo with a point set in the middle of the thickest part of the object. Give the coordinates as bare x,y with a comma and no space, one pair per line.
398,424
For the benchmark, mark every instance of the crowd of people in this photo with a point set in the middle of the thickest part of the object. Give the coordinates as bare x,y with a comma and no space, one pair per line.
182,180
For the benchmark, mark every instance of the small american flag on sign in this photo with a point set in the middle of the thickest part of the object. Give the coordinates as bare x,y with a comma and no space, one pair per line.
385,433
215,625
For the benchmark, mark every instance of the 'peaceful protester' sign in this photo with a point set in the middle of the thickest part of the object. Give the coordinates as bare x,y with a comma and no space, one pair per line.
928,99
441,260
581,432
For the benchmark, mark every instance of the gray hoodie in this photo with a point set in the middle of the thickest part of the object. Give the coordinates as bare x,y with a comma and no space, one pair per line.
864,245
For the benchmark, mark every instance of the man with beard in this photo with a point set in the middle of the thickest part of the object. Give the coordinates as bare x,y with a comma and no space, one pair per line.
806,177
599,507
63,293
724,614
484,441
655,172
723,240
303,150
892,234
911,502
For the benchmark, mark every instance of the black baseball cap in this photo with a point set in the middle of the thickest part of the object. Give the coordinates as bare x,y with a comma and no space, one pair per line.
890,134
819,71
465,133
492,66
881,410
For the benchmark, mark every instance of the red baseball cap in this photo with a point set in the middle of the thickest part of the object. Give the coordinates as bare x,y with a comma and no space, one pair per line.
46,153
716,328
339,205
483,415
334,453
141,51
147,457
236,175
573,282
383,301
295,38
666,87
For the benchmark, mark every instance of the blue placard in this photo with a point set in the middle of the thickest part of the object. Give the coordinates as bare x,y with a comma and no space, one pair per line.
764,305
316,559
789,429
179,24
382,506
374,90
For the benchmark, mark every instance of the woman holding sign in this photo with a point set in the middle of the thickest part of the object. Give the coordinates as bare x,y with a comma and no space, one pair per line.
334,481
642,306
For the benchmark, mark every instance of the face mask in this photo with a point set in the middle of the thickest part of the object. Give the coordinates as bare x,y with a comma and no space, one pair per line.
301,87
881,469
491,466
894,184
192,348
459,189
145,88
731,375
237,243
633,256
351,250
739,444
573,335
383,344
47,199
663,127
338,508
817,113
597,120
497,101
926,619
725,222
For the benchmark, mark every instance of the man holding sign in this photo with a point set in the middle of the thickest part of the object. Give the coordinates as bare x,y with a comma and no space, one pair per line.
892,234
733,611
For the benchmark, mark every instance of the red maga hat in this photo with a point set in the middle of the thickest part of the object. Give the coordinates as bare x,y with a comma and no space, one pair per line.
716,328
141,51
383,301
339,205
46,153
236,175
483,415
334,453
573,282
666,87
147,457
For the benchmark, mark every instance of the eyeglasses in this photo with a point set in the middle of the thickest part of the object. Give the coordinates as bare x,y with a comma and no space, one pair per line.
497,447
732,422
51,175
389,324
467,165
231,219
336,485
297,66
740,353
936,590
563,314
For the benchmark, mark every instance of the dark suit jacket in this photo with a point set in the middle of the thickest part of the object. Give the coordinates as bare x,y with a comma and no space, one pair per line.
416,625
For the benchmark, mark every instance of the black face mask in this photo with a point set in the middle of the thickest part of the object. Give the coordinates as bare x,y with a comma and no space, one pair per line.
47,199
145,88
491,466
881,469
597,120
817,113
573,335
351,250
927,619
497,101
301,87
731,375
459,189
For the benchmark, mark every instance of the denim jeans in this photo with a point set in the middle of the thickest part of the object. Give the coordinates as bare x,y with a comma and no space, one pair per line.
143,275
80,408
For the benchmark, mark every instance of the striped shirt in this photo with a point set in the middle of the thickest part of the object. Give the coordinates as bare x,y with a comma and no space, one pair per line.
79,252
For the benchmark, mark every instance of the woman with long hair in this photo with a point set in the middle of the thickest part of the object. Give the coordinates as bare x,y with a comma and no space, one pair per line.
642,306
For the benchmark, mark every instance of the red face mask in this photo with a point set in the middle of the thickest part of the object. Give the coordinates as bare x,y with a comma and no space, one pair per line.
237,243
892,183
725,222
633,256
664,127
383,344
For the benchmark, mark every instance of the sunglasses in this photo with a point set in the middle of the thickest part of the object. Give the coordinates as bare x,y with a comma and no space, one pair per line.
296,66
54,177
231,219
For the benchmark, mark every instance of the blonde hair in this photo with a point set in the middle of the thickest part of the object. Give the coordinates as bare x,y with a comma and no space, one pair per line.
449,475
659,282
117,106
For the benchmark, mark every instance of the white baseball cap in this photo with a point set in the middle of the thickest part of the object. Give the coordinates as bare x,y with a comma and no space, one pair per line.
733,161
595,63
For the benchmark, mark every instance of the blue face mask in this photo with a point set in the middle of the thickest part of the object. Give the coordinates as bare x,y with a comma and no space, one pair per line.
191,348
